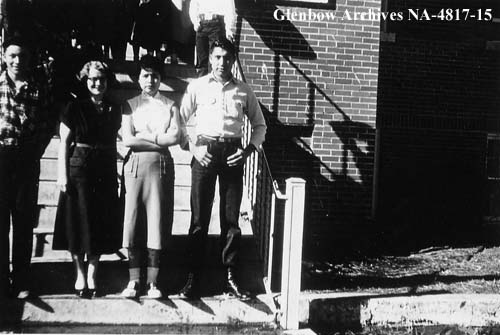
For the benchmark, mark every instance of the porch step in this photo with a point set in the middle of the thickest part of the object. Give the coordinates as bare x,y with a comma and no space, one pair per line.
216,329
175,314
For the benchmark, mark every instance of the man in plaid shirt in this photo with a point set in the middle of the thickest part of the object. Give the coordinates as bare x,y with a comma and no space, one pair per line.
26,127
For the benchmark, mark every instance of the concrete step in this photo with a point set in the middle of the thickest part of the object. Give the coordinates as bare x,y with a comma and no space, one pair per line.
323,312
174,314
215,329
367,311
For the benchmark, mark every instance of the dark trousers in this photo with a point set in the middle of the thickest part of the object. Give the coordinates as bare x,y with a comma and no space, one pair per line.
203,180
18,199
209,31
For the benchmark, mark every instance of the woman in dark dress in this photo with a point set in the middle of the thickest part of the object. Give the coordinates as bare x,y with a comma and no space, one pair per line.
88,220
149,18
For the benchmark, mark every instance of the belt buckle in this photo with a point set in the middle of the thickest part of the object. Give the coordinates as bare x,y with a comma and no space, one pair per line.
204,140
228,139
210,17
9,143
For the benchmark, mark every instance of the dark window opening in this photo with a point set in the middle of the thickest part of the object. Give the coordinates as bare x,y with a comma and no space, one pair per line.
493,178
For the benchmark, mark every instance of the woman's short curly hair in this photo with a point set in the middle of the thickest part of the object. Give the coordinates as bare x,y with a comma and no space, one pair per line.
99,66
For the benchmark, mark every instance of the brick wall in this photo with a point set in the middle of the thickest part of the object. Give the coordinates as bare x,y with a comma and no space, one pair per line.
317,82
438,97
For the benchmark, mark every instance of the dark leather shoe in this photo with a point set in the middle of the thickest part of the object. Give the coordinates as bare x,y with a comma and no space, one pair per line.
232,288
192,288
92,293
81,293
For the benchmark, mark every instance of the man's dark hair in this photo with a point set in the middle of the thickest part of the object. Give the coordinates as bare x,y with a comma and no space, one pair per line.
17,39
225,44
148,62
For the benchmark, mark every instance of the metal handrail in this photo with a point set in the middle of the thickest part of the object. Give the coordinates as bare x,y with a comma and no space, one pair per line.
239,73
263,208
276,189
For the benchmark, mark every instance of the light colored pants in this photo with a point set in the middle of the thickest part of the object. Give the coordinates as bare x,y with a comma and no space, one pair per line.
149,187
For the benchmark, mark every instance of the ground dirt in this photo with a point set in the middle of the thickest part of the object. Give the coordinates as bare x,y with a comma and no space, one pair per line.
473,269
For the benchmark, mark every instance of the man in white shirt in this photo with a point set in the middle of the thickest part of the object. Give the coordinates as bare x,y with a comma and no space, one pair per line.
212,19
219,102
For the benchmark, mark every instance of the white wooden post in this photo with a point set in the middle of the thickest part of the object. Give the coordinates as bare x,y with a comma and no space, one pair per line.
292,252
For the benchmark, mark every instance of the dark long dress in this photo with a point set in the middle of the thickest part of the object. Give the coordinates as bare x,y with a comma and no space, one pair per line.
89,213
149,20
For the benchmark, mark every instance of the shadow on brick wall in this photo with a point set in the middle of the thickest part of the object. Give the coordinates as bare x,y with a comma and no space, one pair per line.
338,196
336,224
283,39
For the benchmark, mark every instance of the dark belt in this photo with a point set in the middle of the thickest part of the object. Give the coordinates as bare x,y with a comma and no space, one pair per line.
217,139
9,148
213,17
95,146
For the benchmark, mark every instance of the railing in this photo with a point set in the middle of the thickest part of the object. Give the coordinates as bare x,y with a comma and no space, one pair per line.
261,192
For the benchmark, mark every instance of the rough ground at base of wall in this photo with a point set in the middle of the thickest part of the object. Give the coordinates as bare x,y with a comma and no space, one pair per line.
474,269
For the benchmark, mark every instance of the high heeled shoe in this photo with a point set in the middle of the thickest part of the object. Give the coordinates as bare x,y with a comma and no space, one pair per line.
92,293
81,293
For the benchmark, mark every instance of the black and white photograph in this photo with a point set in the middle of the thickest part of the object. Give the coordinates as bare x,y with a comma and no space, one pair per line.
285,167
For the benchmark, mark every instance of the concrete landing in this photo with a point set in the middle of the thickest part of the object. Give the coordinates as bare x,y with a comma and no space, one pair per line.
357,311
113,310
321,313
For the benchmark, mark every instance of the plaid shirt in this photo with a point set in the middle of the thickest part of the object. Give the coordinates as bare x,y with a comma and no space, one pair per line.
25,118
